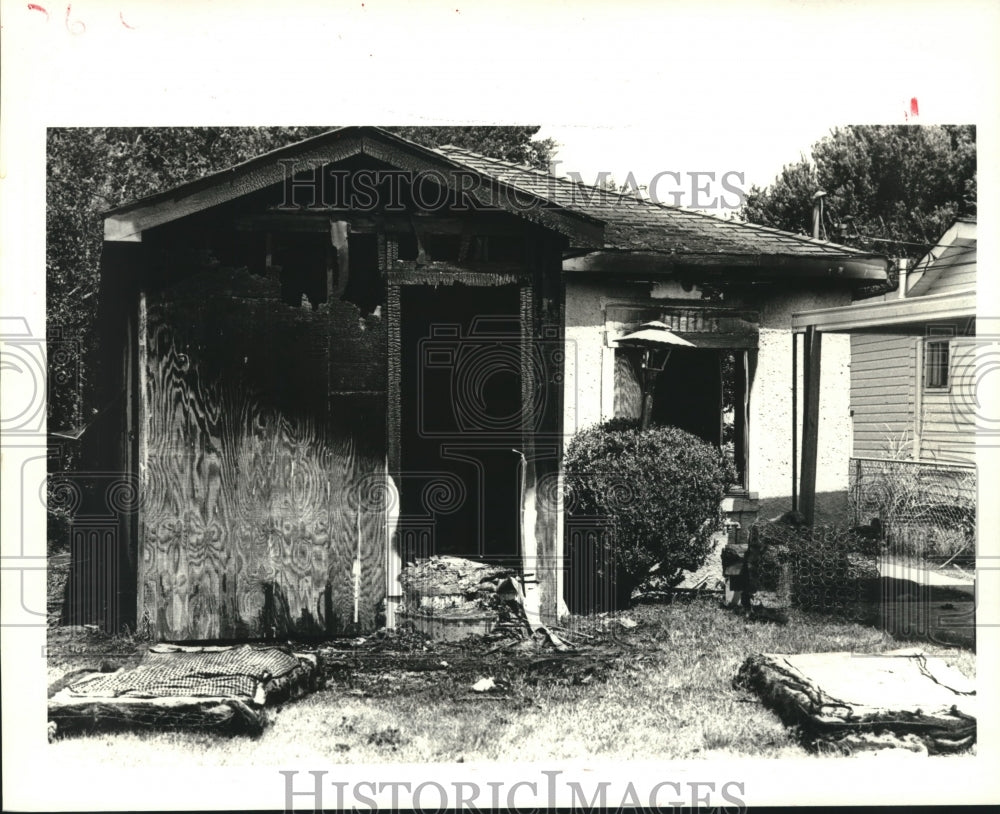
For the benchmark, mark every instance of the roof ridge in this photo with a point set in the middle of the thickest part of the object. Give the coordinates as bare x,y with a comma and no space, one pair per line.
488,158
535,170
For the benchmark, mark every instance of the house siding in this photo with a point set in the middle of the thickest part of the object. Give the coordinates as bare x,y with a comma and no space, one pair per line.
882,396
947,415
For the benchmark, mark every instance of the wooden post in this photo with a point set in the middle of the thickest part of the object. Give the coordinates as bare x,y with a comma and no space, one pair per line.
856,497
918,396
649,385
647,400
741,430
810,422
141,445
795,422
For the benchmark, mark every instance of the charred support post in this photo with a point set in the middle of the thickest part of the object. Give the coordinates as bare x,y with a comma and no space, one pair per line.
742,435
810,422
339,230
104,533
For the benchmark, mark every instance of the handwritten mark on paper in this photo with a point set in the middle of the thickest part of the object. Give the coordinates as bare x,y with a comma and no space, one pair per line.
76,27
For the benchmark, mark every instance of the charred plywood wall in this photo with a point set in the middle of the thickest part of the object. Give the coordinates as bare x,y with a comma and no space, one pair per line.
263,462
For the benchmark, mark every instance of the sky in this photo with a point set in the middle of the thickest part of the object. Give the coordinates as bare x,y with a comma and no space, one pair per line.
695,158
647,150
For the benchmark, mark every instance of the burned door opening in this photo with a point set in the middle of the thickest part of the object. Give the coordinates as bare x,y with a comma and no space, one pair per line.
705,392
689,393
461,421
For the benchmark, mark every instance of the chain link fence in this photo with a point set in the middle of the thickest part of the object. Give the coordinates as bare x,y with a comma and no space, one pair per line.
925,511
826,569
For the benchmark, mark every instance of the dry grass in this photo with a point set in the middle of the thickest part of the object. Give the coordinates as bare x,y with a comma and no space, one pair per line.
660,690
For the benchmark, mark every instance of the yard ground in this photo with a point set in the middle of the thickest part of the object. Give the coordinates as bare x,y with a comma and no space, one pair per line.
659,690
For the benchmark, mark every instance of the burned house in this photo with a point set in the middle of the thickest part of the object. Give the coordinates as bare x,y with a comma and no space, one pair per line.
357,351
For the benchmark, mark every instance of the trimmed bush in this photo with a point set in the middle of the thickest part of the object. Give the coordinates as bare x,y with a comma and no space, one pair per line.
655,493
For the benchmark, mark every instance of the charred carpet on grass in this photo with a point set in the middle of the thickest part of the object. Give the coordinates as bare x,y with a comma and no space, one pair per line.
851,702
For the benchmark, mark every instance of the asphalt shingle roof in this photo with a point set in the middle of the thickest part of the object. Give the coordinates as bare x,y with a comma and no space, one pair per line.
637,224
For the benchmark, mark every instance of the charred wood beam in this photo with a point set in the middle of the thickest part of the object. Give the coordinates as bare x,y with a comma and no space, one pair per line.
318,220
765,266
440,273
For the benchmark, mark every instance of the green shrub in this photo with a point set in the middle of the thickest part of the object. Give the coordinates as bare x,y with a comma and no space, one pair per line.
658,491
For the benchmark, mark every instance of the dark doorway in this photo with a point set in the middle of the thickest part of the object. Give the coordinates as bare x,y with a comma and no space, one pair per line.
688,393
460,428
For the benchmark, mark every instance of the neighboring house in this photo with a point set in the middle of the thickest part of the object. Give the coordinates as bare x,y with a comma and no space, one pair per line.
355,351
915,395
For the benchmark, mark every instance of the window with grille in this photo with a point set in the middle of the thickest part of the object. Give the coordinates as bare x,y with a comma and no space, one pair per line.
936,364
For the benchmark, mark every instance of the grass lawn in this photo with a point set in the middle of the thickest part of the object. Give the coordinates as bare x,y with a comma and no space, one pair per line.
662,689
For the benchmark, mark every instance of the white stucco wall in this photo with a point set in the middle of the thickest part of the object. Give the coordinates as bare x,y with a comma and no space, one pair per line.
589,385
588,396
771,408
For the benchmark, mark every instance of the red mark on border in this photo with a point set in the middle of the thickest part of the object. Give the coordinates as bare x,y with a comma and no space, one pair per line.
122,18
914,107
76,27
35,7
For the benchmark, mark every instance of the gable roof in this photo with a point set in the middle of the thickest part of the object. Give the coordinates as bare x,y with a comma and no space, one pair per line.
128,221
956,249
604,229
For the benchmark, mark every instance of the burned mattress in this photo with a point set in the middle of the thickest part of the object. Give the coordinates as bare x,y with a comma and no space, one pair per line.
218,688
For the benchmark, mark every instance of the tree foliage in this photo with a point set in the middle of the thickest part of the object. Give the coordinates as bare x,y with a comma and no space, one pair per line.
91,170
511,143
891,189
